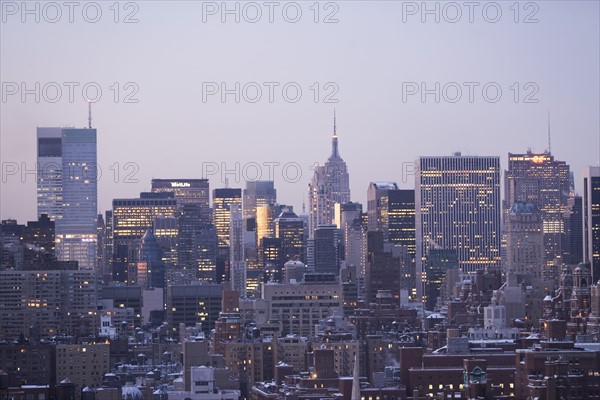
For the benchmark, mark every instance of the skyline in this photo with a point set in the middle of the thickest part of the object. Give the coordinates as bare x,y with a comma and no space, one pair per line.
368,62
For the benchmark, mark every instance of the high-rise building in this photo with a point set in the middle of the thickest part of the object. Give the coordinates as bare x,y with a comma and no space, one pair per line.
150,265
76,231
436,267
545,182
457,203
355,244
378,207
44,303
401,218
237,257
192,304
323,254
330,185
524,240
383,268
224,200
256,194
591,219
573,240
131,220
186,191
49,176
290,230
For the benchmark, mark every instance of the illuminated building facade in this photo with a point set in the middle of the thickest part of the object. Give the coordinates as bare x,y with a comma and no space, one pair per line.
290,230
330,185
76,231
237,255
458,208
131,219
378,207
186,191
49,176
224,200
545,182
591,219
297,308
41,304
256,194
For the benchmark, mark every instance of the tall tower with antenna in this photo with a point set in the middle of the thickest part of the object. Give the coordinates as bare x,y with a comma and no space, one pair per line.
89,114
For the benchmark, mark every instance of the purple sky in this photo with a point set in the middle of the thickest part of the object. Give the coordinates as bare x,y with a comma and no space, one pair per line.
369,55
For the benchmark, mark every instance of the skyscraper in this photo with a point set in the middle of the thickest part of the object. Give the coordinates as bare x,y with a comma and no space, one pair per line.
401,219
591,219
76,231
49,176
378,207
237,257
186,191
224,201
256,194
524,240
545,182
323,254
330,185
132,218
290,230
458,208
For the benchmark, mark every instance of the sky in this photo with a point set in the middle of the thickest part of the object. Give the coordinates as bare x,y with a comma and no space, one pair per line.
480,80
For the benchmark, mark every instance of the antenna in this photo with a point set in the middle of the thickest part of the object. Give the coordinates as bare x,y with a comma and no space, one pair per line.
334,124
549,140
89,114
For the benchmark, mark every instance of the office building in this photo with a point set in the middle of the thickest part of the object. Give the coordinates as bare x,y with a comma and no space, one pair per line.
224,200
186,191
591,220
44,303
545,182
75,230
257,194
330,184
49,174
323,252
290,230
457,202
132,218
191,304
524,240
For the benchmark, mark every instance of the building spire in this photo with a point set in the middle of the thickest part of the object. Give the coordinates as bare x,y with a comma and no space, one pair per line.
334,140
334,124
89,114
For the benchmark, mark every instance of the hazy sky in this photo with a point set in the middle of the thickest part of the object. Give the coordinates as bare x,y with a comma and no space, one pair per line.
370,56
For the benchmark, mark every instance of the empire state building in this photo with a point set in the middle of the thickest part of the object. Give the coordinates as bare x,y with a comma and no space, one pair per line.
330,185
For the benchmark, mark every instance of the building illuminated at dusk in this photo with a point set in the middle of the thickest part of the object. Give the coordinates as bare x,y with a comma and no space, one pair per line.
330,185
223,202
131,219
458,208
591,219
545,182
